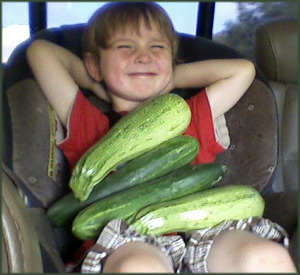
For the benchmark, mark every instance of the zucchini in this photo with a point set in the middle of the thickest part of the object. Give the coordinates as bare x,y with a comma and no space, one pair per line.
144,128
185,180
200,210
161,160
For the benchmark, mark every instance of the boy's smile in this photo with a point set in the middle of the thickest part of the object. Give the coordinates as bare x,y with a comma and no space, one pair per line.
142,74
136,66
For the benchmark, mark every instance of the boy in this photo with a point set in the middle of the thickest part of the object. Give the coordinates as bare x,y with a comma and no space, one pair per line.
129,52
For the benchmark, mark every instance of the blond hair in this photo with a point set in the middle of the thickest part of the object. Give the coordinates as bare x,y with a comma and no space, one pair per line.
117,16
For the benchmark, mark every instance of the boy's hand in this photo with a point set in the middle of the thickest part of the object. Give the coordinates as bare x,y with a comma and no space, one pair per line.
99,90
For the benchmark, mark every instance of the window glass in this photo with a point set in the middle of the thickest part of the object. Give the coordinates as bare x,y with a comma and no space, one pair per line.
64,13
15,18
183,14
15,26
235,22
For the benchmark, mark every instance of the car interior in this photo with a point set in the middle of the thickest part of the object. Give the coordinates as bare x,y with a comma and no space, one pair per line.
263,152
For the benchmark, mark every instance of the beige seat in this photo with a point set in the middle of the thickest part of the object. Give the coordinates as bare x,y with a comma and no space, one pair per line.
276,51
20,247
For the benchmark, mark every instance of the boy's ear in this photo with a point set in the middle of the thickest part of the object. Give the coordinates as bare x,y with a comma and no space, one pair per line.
92,66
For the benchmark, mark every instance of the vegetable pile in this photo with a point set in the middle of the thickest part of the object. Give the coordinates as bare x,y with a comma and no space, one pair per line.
154,187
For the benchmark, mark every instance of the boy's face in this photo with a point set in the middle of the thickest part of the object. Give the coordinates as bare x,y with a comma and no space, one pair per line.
136,66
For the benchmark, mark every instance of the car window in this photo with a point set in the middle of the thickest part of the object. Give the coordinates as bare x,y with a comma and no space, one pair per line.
62,13
183,14
15,20
235,22
15,26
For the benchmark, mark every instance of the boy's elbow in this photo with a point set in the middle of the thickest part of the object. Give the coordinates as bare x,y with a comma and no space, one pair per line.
36,48
249,69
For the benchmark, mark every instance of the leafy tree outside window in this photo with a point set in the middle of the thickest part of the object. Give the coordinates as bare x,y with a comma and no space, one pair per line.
238,33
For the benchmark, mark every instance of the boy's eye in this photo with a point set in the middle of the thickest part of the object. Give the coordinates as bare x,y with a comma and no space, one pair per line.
158,46
124,46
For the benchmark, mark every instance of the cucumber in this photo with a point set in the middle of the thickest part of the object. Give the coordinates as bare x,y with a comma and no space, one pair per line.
154,122
159,161
185,180
203,209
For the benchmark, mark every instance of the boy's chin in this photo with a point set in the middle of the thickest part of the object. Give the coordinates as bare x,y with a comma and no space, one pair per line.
145,95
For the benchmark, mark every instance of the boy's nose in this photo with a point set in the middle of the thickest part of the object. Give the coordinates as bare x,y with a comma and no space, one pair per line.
142,57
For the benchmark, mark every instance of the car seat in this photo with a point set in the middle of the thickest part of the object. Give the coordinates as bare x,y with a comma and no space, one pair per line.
36,167
20,247
276,53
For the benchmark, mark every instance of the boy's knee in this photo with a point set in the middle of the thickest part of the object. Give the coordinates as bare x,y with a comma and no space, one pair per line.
137,257
241,251
266,256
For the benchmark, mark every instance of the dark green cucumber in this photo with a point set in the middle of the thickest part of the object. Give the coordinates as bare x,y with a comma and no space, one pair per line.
159,161
185,180
147,126
203,209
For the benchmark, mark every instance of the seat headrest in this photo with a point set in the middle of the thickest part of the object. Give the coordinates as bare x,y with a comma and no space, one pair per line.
276,50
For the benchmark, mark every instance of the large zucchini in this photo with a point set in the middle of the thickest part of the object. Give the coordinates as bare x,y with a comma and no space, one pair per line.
154,122
200,210
185,180
161,160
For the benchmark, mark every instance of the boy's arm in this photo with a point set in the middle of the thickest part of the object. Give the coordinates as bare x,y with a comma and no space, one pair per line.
60,73
226,80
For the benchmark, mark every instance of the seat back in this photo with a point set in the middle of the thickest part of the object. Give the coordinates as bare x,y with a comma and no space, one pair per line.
276,52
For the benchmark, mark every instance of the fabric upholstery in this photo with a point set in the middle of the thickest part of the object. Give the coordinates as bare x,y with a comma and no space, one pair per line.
276,49
35,158
252,155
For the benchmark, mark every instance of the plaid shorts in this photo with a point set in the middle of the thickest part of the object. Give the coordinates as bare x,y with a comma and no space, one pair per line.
187,256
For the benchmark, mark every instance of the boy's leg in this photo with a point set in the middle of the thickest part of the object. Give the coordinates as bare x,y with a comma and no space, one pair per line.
250,245
242,251
120,248
135,257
